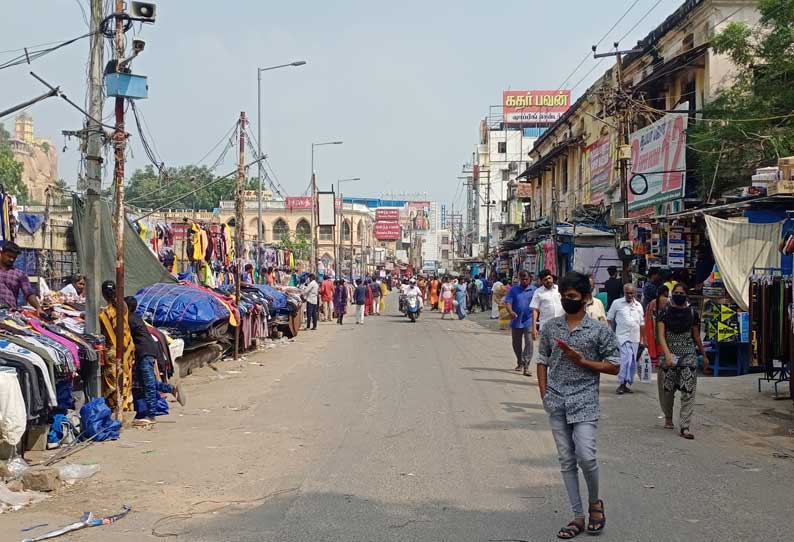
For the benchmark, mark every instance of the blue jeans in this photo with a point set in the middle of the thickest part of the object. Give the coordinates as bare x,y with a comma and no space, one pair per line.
576,446
152,388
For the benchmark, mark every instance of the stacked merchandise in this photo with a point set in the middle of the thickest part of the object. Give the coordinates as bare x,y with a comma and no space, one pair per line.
8,216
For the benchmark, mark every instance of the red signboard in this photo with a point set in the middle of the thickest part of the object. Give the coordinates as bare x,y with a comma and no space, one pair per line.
180,230
387,231
298,202
535,106
387,215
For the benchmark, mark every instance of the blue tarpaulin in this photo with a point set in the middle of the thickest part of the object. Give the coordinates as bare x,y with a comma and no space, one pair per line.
182,307
278,300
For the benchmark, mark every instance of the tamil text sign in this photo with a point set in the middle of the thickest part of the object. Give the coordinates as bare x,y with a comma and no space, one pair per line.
658,161
535,106
387,231
599,163
391,214
298,202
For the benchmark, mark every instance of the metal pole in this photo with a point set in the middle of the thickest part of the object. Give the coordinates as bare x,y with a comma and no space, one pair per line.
488,218
259,156
351,241
337,232
239,230
119,143
313,252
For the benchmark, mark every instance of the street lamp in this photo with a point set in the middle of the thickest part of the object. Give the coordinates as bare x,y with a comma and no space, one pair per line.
313,263
259,137
338,250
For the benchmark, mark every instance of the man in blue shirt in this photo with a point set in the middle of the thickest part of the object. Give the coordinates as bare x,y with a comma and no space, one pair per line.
517,302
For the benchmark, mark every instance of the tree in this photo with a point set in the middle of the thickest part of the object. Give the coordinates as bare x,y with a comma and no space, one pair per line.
10,169
750,124
298,244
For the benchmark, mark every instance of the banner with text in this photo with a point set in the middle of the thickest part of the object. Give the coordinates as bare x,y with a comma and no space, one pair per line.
599,164
658,161
387,231
389,214
534,106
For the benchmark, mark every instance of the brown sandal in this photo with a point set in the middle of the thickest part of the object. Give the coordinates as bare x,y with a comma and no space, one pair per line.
668,424
686,434
572,530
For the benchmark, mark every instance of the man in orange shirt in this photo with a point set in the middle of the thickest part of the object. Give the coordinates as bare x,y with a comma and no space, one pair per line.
327,297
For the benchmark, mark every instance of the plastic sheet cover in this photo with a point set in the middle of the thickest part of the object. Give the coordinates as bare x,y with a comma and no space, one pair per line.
182,307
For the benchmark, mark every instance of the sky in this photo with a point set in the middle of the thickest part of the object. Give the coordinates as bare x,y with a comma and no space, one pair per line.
403,84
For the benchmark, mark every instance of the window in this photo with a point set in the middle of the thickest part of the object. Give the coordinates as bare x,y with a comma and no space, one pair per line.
501,147
346,230
303,229
360,230
280,230
326,233
445,254
445,239
565,176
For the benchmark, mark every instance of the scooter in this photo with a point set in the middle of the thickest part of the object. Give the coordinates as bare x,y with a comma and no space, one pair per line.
412,308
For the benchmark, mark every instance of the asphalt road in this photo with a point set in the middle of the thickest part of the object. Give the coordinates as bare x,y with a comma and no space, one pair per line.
399,431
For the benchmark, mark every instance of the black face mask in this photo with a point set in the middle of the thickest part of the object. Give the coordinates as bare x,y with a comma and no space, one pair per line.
679,299
571,306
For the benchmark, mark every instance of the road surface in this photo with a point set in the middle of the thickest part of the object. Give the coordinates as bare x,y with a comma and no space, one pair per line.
400,431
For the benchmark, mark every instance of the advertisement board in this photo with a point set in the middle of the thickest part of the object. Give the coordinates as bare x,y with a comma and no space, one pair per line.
419,215
599,164
524,190
387,231
535,106
389,214
326,209
658,161
298,202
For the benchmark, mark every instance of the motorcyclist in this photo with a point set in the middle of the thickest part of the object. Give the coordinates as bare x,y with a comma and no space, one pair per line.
413,289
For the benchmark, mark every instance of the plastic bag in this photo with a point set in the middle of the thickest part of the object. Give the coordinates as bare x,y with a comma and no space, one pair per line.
97,421
644,367
17,467
78,472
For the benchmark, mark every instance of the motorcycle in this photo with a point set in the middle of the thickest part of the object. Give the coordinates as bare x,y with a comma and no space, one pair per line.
402,304
412,308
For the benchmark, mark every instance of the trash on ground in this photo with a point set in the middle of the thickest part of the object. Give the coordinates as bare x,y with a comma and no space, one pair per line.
14,500
76,471
87,520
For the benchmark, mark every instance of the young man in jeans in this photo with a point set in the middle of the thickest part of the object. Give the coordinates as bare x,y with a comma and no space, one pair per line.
574,350
518,302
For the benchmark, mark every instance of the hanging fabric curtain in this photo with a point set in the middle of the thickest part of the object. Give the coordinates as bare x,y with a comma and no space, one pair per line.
740,246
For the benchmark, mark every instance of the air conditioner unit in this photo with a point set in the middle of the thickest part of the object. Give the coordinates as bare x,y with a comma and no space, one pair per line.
513,167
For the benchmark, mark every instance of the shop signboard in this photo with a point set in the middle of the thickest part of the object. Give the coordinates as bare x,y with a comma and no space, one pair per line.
387,231
534,106
658,160
599,164
298,202
389,214
524,190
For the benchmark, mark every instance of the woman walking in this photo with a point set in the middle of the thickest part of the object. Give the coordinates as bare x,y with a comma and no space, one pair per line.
460,298
432,297
447,295
340,300
652,312
679,336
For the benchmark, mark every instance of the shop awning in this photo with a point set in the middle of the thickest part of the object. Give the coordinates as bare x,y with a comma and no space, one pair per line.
542,163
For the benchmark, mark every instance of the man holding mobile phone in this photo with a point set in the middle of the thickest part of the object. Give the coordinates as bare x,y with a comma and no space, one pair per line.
573,351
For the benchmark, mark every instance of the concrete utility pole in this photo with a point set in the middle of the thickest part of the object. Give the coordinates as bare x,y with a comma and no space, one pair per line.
239,228
119,145
488,218
93,168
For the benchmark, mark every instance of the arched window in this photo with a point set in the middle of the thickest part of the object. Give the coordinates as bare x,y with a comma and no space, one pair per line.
280,229
326,233
345,230
303,229
360,230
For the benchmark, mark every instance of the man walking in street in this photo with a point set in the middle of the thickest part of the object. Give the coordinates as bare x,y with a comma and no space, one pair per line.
545,303
485,293
311,293
651,287
518,302
376,293
573,352
627,318
613,286
327,296
359,299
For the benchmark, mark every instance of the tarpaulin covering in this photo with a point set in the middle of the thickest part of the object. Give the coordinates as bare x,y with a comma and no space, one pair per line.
178,306
737,248
141,266
277,300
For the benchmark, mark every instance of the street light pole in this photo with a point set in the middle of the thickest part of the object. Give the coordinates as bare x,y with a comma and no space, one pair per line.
314,244
259,71
340,220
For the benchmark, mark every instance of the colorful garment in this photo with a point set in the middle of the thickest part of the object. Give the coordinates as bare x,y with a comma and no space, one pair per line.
434,291
446,298
109,378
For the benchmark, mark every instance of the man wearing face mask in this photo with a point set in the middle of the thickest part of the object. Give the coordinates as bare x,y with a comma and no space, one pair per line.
573,352
627,318
545,303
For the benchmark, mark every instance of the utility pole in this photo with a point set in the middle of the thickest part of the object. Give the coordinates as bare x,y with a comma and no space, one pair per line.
488,218
119,146
93,168
621,108
239,228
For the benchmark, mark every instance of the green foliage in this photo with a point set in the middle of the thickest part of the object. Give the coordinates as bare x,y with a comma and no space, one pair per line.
753,122
298,244
10,169
147,189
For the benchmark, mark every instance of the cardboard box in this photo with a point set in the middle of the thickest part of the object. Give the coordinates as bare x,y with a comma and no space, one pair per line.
780,187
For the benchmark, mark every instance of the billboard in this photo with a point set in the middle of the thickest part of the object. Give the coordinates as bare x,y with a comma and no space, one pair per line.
534,106
419,215
599,164
326,209
658,161
387,231
389,214
298,202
